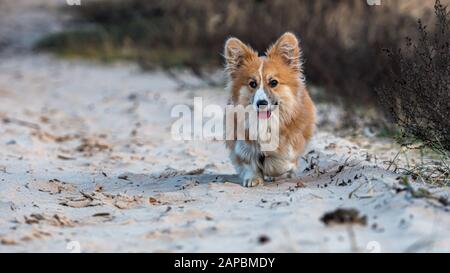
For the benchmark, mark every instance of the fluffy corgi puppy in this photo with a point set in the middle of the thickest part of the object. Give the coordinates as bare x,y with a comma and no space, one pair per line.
268,83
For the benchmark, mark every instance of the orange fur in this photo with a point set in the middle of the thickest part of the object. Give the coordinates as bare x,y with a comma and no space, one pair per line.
297,112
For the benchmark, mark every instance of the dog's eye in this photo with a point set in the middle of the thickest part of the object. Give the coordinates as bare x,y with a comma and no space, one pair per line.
273,83
253,84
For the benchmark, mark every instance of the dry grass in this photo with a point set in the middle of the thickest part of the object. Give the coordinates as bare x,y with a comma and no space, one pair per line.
341,39
416,88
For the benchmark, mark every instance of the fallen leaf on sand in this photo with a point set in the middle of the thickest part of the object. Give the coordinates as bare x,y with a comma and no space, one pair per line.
90,146
96,218
344,216
65,157
80,202
35,234
171,172
53,186
8,242
153,200
46,136
56,220
20,122
121,201
196,171
102,214
123,177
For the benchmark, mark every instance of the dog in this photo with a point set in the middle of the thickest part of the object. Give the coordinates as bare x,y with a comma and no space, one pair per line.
274,81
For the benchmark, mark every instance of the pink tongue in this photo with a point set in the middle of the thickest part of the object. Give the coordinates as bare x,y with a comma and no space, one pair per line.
264,114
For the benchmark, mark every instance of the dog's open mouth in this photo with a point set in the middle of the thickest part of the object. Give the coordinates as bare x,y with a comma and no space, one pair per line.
264,114
265,111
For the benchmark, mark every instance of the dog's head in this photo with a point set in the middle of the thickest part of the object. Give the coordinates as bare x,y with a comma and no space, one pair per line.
268,81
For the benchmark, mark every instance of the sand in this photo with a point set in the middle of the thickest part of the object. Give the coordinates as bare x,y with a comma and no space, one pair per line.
87,163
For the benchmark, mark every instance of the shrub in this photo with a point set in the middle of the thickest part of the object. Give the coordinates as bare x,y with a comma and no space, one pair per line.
416,89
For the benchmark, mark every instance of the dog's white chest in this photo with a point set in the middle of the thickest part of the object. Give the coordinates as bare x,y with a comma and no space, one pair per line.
247,151
273,165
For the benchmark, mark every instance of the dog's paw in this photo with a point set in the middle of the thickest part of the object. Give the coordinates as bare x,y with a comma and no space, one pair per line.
250,177
252,181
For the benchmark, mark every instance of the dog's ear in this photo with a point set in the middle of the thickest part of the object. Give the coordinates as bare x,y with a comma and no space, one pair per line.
235,53
287,48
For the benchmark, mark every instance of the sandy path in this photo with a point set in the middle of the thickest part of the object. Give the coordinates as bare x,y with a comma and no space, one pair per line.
86,159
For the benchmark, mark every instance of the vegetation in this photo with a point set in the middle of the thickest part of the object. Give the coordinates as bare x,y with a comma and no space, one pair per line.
341,39
416,90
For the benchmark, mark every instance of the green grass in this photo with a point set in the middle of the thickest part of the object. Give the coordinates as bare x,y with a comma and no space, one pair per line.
99,44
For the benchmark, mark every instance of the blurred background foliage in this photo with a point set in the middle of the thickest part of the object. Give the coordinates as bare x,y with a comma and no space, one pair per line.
343,40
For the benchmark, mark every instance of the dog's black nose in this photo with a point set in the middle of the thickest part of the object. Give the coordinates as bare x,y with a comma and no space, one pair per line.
261,103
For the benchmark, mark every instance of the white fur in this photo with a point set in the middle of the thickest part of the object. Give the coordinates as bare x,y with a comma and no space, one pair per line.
252,173
260,93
